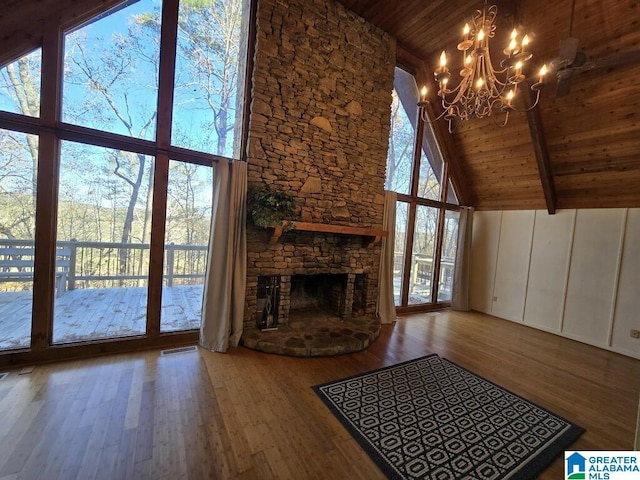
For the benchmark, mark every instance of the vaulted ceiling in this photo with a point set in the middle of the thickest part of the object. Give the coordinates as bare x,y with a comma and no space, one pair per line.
581,150
591,136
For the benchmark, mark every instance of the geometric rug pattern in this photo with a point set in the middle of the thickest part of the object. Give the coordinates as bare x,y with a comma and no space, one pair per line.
429,418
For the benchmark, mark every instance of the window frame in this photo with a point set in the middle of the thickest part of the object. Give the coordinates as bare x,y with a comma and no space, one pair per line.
414,200
51,131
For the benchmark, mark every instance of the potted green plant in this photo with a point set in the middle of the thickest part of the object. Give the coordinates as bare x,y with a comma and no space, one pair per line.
268,207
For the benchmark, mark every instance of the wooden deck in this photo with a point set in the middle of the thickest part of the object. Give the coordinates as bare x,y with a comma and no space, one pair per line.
97,313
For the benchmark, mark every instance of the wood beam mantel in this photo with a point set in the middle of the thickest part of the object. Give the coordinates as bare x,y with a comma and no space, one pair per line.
541,151
370,235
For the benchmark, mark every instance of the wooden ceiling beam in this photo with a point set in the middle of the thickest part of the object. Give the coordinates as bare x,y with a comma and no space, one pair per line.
541,151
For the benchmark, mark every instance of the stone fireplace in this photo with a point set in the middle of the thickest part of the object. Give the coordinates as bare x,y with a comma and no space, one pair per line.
319,129
298,295
306,271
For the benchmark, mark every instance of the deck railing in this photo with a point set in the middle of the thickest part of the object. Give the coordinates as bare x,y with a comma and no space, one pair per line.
109,264
421,270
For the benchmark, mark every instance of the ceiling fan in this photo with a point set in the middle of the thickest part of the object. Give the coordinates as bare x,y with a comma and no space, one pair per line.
571,61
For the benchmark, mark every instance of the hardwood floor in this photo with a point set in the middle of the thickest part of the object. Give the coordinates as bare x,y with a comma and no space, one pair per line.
250,415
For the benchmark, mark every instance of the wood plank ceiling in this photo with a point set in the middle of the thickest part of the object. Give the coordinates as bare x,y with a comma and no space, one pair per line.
592,134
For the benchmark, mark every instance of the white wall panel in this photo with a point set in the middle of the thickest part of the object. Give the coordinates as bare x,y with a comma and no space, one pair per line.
550,254
486,233
593,274
512,270
627,314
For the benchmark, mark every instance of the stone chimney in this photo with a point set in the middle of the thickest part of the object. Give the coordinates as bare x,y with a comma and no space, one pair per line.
319,129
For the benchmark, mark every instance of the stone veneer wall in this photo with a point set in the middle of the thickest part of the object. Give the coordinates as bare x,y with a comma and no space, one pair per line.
319,129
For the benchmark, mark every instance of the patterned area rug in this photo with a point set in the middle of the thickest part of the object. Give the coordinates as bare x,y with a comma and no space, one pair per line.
431,419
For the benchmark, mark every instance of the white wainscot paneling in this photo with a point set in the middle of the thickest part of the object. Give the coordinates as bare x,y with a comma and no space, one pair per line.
550,253
627,314
593,274
484,248
512,267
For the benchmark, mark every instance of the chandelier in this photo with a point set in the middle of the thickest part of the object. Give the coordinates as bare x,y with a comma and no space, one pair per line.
483,90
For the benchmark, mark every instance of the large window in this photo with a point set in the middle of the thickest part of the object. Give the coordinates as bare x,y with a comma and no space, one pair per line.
204,103
117,156
186,238
20,87
104,220
18,167
111,72
426,213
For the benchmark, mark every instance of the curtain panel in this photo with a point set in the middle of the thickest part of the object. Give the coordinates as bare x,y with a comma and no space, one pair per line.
225,278
460,299
386,308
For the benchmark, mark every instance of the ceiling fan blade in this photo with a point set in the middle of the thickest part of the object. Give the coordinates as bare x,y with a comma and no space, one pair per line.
566,54
563,85
615,59
568,49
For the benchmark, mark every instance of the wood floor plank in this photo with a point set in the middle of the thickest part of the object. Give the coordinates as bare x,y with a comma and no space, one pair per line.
249,415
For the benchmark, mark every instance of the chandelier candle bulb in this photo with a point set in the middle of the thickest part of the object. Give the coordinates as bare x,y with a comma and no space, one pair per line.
513,44
510,97
543,72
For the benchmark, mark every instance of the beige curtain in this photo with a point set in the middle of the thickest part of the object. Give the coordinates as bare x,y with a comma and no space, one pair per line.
386,308
460,299
225,279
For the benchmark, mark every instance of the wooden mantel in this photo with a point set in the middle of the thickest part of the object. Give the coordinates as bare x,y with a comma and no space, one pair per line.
370,235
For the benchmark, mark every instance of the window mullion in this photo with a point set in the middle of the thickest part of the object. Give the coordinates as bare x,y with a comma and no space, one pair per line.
408,254
439,235
166,75
417,153
47,187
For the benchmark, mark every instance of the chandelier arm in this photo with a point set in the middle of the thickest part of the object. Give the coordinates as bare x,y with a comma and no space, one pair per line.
424,113
503,124
534,105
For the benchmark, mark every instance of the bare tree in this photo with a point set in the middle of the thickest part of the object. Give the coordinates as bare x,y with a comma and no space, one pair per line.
400,153
110,82
20,82
207,75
